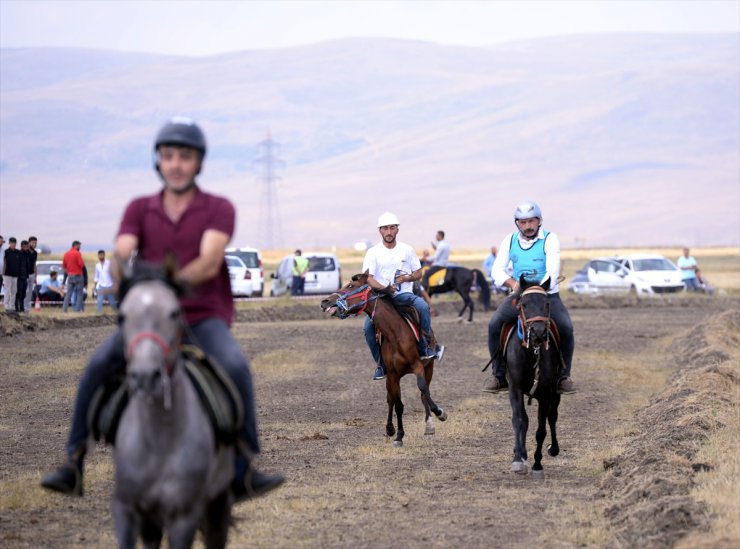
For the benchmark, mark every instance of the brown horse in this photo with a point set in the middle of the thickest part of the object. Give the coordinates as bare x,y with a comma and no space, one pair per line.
398,347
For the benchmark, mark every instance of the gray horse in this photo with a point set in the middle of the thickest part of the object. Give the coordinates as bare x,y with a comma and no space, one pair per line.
171,476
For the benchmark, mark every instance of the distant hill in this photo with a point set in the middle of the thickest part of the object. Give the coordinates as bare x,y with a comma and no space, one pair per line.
623,139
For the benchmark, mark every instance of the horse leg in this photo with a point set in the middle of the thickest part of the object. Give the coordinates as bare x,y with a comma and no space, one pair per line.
390,430
429,423
398,441
543,410
554,448
181,533
520,424
421,383
127,524
215,524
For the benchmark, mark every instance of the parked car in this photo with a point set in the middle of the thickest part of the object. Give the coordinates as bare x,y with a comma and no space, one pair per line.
253,260
240,276
600,276
324,275
650,274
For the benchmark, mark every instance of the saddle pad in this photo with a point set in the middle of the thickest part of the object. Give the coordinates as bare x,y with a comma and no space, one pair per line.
217,393
437,278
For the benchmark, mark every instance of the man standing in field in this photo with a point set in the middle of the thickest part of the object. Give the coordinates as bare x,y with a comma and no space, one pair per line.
73,266
299,269
688,267
11,270
196,227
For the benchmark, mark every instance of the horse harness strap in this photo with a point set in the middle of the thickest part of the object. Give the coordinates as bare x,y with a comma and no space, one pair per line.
167,351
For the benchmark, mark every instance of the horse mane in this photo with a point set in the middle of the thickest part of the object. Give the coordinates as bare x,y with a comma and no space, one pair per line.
143,271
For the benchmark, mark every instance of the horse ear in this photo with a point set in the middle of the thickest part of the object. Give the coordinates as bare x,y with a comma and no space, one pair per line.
546,284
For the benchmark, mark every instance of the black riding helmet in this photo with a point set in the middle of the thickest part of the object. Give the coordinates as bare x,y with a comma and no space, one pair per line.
180,132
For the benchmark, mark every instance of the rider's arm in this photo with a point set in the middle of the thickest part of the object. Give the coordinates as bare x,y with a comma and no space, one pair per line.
552,263
500,276
123,249
210,259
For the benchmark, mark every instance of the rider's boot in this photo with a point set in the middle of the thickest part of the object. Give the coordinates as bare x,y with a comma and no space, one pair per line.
379,372
67,479
426,351
248,482
497,382
565,384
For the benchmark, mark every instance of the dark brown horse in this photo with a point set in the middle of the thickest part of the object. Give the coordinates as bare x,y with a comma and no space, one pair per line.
532,363
398,348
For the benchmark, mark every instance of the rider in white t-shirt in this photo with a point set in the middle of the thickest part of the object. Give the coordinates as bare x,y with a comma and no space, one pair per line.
394,262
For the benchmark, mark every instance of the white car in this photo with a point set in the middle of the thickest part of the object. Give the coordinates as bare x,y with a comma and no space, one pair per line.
650,274
600,276
324,275
253,260
240,276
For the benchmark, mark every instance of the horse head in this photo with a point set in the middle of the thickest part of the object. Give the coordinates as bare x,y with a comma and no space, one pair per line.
151,327
533,303
351,299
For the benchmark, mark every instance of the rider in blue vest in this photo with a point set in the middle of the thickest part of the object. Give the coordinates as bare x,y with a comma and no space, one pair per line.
535,254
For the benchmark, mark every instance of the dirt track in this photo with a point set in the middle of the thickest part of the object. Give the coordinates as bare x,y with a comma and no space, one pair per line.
322,422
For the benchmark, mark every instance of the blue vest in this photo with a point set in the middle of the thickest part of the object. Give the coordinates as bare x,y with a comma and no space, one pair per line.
532,262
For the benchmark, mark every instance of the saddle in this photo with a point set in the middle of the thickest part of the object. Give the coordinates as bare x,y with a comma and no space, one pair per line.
411,316
437,278
218,395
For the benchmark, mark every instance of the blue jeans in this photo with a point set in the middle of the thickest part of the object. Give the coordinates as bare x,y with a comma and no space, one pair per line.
406,298
211,335
506,312
74,288
109,297
691,284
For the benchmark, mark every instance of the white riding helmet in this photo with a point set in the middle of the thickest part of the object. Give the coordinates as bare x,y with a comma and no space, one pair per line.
386,219
527,210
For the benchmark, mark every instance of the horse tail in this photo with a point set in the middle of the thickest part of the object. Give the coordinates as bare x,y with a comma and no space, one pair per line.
485,291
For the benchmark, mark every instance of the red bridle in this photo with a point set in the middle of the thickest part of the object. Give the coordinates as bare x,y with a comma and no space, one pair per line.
159,340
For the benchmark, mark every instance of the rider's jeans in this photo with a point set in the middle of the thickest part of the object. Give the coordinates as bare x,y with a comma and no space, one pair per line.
506,312
211,335
405,298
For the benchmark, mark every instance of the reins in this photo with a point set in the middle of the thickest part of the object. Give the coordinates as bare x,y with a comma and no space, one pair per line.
364,292
526,323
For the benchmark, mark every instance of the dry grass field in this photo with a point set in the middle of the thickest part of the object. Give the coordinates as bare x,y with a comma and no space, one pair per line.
649,443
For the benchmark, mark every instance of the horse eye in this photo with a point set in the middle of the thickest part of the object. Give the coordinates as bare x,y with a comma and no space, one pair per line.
175,314
120,318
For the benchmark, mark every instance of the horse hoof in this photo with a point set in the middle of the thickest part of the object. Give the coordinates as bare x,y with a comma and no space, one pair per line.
552,451
460,319
442,415
429,430
538,475
397,443
519,467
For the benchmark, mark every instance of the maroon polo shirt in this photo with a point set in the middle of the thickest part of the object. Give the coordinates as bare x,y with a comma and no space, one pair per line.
146,219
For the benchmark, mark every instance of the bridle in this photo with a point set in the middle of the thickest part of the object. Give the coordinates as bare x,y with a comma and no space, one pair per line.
526,323
169,354
365,294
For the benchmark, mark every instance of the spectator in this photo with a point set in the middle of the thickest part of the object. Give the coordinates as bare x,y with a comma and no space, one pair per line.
22,283
688,267
300,268
441,257
488,262
73,267
51,289
104,282
32,256
11,270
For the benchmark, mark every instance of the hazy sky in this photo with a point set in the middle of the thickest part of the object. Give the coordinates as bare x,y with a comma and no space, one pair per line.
203,28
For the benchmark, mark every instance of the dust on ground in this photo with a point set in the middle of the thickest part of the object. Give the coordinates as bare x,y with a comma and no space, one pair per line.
322,422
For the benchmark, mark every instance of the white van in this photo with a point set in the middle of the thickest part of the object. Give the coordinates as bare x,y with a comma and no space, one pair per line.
324,274
253,260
